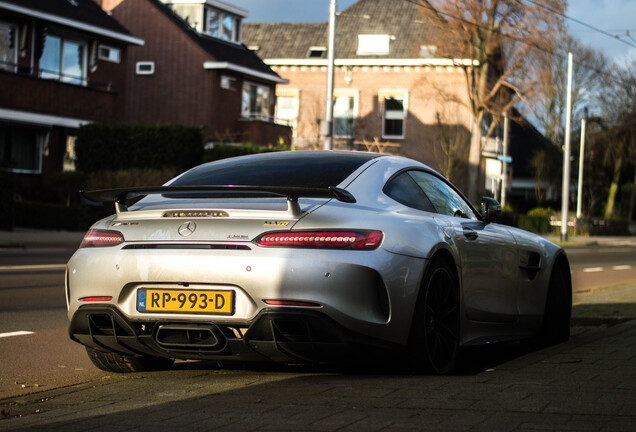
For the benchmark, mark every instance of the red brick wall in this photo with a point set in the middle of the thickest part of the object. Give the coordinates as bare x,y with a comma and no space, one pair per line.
41,96
428,90
180,89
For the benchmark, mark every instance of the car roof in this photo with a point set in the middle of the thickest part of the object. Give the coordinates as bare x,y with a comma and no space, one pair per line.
292,168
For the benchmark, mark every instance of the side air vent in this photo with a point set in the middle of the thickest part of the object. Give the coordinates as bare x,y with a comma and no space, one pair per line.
530,262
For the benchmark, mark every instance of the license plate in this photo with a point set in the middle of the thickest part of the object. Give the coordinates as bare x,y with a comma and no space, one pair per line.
218,302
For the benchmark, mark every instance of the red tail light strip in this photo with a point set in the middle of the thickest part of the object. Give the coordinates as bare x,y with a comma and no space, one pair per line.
351,240
101,238
96,299
291,303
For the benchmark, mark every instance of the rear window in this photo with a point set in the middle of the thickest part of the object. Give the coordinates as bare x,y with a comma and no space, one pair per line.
302,169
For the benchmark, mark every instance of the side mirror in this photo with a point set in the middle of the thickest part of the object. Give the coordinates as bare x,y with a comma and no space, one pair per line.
490,209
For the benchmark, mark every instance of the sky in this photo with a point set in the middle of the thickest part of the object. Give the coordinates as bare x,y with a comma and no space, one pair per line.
612,16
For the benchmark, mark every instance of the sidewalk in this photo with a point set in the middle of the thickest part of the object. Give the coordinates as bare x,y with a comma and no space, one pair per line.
587,384
28,238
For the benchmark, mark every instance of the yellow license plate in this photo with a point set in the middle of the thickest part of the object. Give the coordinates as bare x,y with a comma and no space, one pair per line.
218,302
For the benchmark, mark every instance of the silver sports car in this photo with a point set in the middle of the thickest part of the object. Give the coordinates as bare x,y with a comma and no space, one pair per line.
308,257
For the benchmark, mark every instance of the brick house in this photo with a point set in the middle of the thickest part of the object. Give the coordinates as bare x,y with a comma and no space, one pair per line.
398,88
62,64
395,83
194,70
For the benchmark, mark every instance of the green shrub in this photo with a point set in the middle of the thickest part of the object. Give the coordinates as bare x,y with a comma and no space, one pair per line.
108,146
223,151
541,212
535,224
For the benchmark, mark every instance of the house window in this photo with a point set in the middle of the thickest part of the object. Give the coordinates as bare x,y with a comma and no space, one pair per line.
428,51
256,99
191,14
287,107
373,44
109,54
64,60
223,25
20,149
394,109
228,82
145,68
8,50
316,52
345,109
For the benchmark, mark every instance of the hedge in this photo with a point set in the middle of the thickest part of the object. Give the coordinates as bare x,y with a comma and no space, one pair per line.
108,146
223,151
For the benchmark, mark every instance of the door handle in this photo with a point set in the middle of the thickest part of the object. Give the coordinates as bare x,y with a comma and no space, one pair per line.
470,234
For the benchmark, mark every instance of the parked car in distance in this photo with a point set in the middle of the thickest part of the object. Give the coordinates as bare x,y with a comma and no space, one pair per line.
309,257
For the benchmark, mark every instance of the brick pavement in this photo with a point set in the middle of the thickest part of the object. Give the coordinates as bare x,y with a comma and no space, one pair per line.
587,384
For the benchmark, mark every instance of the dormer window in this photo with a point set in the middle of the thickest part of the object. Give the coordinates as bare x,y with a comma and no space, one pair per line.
374,44
428,51
212,17
316,52
222,24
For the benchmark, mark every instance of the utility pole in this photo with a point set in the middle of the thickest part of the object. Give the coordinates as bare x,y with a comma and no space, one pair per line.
504,178
327,125
565,192
579,194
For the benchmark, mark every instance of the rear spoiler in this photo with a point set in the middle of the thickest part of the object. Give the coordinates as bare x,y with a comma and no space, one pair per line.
122,195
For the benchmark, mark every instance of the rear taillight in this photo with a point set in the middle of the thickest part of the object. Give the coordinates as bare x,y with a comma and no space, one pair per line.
350,240
101,238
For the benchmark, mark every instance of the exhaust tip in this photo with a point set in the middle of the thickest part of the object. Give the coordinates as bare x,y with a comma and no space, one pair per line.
189,336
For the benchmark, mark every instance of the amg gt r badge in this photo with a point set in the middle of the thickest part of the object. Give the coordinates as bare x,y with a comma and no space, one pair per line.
276,223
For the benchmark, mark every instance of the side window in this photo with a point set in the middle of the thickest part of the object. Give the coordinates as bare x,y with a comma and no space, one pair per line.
404,190
442,195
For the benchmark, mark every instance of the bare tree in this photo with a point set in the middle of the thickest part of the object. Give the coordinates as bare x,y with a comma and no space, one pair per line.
549,102
450,154
498,38
619,107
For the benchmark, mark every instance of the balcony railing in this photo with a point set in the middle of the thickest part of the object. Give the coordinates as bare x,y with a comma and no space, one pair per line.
55,76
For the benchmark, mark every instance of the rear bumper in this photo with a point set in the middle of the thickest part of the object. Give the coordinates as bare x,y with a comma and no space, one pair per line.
280,335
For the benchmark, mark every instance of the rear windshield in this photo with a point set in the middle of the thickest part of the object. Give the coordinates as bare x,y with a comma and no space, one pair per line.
302,169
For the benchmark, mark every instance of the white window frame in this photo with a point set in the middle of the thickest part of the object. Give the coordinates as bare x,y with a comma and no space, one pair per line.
69,78
12,67
141,64
229,82
374,44
394,94
315,49
288,116
346,93
110,50
246,109
222,15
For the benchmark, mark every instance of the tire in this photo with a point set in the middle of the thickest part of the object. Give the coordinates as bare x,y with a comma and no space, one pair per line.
434,339
122,363
555,327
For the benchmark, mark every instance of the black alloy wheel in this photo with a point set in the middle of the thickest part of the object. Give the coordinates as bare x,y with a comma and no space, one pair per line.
434,342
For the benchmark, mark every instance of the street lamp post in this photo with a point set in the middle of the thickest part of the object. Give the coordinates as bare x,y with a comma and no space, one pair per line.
565,192
579,195
327,126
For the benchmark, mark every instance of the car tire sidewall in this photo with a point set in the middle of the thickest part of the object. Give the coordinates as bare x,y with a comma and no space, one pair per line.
419,356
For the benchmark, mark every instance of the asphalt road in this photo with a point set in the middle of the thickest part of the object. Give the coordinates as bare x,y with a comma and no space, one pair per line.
41,356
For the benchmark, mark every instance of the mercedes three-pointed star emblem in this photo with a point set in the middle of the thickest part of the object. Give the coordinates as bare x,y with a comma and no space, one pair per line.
187,228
